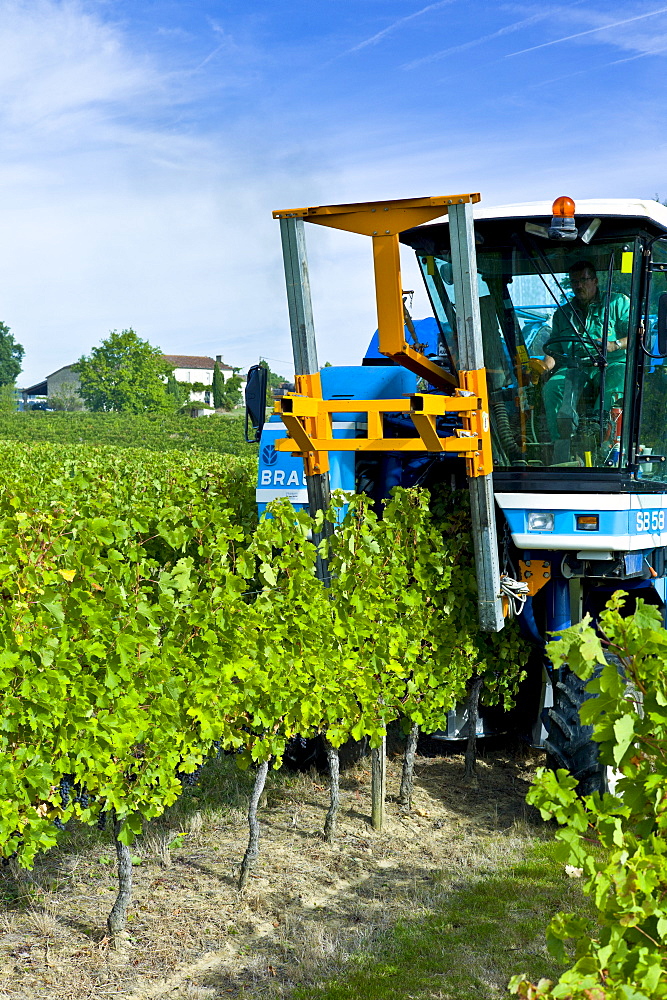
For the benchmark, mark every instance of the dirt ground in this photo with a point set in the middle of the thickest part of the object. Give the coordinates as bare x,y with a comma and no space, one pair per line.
308,905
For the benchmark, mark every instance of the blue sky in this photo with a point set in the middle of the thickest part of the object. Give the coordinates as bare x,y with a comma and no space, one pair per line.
145,144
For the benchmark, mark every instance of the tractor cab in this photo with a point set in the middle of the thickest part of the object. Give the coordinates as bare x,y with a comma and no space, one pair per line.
574,362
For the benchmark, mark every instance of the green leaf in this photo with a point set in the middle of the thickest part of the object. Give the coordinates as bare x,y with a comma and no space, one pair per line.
624,731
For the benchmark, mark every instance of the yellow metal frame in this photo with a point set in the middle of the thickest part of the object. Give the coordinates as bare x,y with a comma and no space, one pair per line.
383,221
308,417
535,573
309,421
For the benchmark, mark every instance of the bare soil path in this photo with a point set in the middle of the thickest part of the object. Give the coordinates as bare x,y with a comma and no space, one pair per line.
308,905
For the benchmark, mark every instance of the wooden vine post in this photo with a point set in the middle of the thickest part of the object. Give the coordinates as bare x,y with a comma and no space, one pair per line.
407,775
473,716
331,821
378,783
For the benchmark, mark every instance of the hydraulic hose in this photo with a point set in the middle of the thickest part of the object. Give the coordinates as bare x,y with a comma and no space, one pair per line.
504,429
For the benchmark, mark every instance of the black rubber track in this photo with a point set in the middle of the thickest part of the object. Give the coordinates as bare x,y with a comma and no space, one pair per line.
570,744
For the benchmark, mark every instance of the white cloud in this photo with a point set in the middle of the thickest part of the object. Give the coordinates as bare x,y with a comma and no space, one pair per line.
56,59
138,191
114,212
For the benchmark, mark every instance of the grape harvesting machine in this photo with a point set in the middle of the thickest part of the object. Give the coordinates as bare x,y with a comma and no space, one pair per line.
539,381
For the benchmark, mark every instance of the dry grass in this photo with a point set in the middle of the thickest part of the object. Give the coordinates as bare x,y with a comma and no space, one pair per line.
307,908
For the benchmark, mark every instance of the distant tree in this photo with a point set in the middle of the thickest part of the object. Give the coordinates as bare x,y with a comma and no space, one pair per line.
178,391
274,382
11,356
233,394
67,398
229,395
218,387
7,398
126,374
172,386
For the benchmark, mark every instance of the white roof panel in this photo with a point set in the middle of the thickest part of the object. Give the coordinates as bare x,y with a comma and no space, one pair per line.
636,208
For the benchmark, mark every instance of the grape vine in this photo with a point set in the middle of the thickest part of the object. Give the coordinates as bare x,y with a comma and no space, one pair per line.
148,622
616,841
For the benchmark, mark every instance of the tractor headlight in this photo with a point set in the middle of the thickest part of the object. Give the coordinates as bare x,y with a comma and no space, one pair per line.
540,521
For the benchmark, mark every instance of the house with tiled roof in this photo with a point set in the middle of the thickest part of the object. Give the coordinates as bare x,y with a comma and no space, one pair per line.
198,368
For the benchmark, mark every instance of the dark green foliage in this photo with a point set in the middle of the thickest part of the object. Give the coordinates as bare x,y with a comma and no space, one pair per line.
67,399
177,391
125,375
218,388
231,393
189,387
158,432
623,661
500,658
274,381
11,356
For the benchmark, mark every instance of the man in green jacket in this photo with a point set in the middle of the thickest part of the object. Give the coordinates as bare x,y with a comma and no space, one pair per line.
572,367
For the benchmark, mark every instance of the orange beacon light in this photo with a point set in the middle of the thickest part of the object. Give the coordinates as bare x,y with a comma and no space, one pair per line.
563,207
562,221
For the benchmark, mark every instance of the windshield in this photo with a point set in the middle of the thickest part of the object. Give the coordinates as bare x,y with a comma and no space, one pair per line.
554,327
653,426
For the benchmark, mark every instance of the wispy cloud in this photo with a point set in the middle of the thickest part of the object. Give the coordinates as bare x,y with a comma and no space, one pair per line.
590,31
374,39
598,67
119,209
506,30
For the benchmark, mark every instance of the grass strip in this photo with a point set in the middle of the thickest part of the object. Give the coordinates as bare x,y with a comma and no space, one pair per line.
469,948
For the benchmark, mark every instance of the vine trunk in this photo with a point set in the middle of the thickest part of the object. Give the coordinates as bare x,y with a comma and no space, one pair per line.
252,850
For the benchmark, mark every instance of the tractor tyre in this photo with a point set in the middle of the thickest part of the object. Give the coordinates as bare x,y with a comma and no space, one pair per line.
570,744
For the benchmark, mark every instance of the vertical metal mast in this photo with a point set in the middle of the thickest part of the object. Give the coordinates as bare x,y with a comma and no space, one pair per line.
471,357
293,236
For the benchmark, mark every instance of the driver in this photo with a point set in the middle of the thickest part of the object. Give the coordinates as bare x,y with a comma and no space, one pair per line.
570,373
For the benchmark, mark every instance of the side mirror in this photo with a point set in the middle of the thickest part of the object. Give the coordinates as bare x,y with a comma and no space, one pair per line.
662,324
255,402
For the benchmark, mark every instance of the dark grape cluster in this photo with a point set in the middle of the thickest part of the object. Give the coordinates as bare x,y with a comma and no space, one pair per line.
59,825
82,796
71,789
66,782
191,779
101,821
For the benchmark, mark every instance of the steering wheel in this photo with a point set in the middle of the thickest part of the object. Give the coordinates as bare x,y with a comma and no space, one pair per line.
565,359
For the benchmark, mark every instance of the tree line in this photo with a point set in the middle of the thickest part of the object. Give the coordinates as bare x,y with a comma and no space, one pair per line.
124,374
